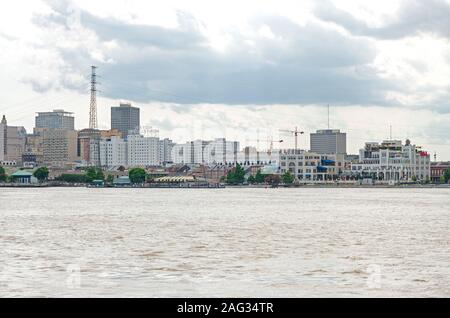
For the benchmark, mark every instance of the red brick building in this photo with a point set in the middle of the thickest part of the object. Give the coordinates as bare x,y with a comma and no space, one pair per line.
437,170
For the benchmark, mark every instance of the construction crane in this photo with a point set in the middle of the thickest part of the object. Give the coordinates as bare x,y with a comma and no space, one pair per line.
296,133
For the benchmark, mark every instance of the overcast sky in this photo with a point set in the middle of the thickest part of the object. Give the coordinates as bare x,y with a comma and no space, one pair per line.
207,69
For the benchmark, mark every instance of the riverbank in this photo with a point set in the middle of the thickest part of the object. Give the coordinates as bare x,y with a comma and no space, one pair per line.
218,186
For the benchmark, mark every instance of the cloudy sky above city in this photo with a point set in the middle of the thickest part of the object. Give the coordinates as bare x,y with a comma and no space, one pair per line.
207,69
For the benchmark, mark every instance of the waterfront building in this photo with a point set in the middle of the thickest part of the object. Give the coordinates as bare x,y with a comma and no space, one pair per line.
250,156
392,161
197,149
89,147
437,171
177,155
328,141
113,152
221,151
126,119
58,119
311,166
15,143
165,151
143,151
191,152
23,177
34,149
12,143
59,147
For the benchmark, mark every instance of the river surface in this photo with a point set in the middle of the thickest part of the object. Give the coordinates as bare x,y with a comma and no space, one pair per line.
61,242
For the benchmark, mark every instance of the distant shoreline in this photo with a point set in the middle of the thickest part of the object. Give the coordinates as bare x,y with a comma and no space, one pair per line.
303,186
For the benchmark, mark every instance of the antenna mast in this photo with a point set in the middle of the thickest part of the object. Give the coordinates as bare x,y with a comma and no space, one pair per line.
93,121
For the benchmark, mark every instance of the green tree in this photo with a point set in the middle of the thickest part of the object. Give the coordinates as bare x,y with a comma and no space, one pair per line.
414,178
41,174
137,175
259,178
251,180
72,178
236,175
447,175
2,174
239,174
288,178
110,179
94,174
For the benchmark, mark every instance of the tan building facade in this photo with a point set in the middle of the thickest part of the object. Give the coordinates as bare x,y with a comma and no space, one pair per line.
59,147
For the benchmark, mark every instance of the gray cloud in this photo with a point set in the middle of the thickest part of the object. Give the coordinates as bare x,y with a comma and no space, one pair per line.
413,17
301,65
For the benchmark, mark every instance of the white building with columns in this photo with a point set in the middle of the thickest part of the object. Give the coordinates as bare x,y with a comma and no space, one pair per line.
392,161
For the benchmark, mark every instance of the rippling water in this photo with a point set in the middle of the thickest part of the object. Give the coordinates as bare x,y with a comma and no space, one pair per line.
224,242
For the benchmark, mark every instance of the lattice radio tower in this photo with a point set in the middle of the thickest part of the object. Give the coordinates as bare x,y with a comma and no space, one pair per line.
93,121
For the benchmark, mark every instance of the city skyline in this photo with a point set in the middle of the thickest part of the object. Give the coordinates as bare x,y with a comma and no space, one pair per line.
374,75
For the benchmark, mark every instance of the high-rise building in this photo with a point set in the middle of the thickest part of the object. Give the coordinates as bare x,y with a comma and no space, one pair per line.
88,146
221,151
113,152
15,143
57,119
165,151
126,119
329,141
34,148
143,151
12,143
59,147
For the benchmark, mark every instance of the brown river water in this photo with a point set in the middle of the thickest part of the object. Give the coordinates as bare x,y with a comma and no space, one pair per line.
61,242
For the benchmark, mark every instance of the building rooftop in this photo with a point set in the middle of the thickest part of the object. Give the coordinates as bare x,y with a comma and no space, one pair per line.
56,112
328,131
21,174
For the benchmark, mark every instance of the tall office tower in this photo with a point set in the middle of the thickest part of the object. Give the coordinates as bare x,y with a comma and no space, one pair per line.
58,119
329,141
126,119
59,147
